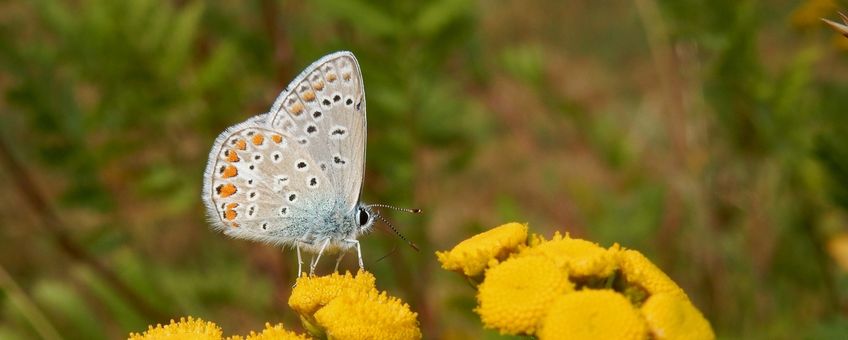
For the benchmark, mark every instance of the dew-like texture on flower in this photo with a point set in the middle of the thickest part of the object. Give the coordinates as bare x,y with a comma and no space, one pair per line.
275,332
671,316
516,294
311,293
578,257
186,328
473,255
593,314
638,270
368,315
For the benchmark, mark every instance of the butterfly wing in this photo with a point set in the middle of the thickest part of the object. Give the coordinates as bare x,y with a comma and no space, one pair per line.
261,184
324,109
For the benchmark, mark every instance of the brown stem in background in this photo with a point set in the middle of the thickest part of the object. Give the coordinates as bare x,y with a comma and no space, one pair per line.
271,14
57,230
677,169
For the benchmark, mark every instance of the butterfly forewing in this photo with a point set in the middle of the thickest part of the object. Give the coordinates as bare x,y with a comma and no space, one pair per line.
262,184
324,110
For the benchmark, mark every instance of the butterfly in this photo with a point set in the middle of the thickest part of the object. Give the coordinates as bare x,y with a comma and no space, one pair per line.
293,176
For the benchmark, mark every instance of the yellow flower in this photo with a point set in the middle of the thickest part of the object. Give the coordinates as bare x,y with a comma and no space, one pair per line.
578,257
275,332
471,256
368,315
671,316
189,328
347,307
593,314
312,293
516,294
638,270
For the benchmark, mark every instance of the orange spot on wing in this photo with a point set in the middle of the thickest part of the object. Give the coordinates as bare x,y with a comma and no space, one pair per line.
346,76
331,76
232,156
232,206
230,171
227,190
258,139
318,85
277,138
241,144
296,109
308,96
230,215
235,225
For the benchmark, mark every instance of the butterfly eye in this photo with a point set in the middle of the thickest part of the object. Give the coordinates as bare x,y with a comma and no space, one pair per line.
363,217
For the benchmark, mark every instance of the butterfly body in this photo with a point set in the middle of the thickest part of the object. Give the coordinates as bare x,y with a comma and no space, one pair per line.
293,176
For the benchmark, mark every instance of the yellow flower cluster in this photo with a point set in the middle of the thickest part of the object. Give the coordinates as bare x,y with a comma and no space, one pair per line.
565,287
473,255
191,329
350,307
334,306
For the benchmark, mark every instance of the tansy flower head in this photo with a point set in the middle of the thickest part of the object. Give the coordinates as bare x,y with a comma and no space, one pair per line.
578,257
638,270
471,256
275,332
347,307
672,316
312,293
368,315
516,294
593,314
186,328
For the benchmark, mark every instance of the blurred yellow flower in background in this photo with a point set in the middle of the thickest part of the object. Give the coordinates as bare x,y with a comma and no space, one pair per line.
837,247
578,257
671,316
593,314
473,255
574,288
807,14
516,294
186,328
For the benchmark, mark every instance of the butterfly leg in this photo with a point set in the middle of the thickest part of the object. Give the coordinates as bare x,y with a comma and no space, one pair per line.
339,260
323,246
300,258
299,262
358,252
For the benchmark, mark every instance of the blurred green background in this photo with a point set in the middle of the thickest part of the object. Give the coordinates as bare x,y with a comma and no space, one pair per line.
710,135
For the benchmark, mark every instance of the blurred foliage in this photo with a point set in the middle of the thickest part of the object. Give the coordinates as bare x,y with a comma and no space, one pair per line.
708,134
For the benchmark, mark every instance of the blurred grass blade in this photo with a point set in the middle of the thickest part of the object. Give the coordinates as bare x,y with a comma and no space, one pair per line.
30,311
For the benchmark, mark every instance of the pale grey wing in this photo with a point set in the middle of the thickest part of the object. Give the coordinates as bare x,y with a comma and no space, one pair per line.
260,184
324,108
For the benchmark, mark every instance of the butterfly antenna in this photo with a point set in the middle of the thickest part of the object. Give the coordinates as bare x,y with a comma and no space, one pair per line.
413,211
397,232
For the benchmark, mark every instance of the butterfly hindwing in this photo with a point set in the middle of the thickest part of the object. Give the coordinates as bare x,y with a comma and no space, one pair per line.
262,184
324,110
